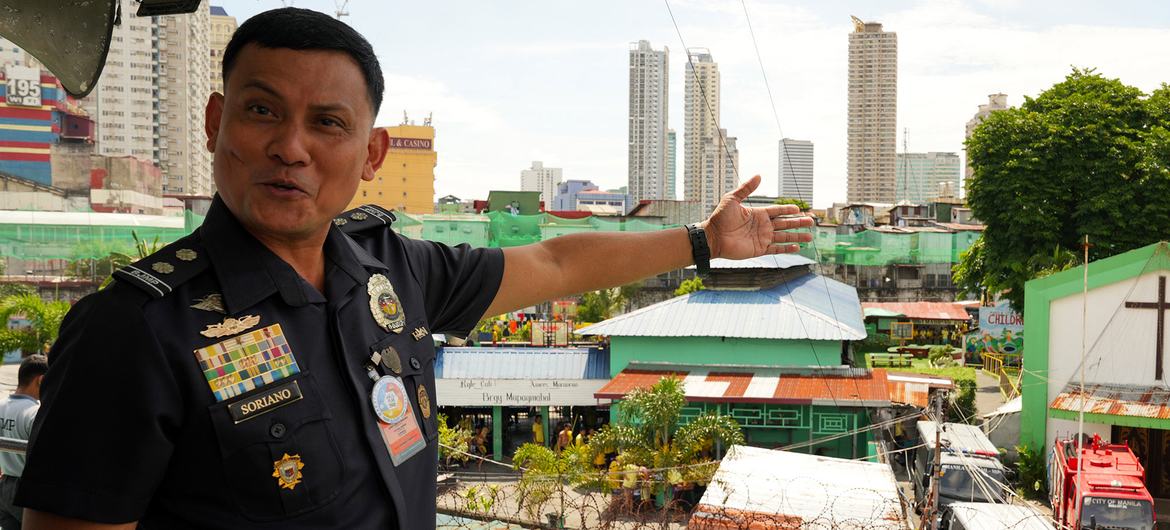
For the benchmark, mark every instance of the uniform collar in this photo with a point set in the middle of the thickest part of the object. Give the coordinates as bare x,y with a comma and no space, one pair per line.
249,272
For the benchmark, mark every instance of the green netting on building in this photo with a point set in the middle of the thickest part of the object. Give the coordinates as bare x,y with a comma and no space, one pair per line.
876,247
89,236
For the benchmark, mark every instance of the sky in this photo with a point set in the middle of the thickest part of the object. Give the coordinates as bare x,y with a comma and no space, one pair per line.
511,82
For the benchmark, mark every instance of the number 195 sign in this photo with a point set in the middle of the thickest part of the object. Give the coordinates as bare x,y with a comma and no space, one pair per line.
24,92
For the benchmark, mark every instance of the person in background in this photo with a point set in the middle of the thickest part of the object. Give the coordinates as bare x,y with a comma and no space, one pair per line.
538,430
16,418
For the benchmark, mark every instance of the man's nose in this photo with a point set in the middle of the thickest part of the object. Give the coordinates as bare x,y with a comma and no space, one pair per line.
290,145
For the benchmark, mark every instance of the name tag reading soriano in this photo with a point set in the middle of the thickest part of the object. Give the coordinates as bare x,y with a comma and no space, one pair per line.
267,401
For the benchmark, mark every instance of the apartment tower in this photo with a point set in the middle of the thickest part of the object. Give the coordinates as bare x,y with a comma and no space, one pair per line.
873,111
649,96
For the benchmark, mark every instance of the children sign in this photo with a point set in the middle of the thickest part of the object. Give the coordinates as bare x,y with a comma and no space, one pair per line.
1001,331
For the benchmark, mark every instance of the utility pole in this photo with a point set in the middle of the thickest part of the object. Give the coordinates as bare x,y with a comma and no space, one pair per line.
936,477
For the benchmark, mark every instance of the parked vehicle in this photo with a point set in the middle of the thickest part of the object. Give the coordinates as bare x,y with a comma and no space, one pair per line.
1110,493
990,516
970,470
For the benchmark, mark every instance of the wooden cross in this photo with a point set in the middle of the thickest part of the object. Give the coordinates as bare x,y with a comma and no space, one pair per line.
1162,305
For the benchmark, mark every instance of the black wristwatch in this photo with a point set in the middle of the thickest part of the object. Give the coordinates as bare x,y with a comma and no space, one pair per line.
700,250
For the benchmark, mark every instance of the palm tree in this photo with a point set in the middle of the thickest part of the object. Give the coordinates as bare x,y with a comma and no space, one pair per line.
44,322
648,435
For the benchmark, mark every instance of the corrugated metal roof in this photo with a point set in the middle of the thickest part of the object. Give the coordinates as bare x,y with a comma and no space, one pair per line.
1118,400
521,363
959,227
989,516
809,307
765,489
773,261
759,384
914,389
922,310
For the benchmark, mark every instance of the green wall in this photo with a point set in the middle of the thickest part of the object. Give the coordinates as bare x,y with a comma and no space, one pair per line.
719,350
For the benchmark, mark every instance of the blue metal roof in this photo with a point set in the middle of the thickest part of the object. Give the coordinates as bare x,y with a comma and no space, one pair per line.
218,11
521,363
811,307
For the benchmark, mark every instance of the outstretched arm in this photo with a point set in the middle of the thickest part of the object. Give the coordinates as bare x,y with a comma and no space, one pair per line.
578,263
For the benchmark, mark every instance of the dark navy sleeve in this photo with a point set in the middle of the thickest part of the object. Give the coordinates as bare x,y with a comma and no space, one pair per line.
459,283
110,410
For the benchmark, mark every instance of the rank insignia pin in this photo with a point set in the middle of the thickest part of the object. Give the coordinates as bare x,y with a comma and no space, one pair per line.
391,360
287,471
230,326
186,254
358,216
424,401
212,302
384,304
163,267
340,222
419,333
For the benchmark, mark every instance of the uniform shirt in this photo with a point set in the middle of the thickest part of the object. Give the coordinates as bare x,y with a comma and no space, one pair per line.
16,420
537,433
130,428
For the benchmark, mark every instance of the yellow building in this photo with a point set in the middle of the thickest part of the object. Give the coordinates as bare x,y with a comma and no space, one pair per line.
406,181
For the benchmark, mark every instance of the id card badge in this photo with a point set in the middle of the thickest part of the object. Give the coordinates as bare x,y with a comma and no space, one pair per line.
396,420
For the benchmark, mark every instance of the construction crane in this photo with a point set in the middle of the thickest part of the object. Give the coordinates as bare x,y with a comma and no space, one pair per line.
341,12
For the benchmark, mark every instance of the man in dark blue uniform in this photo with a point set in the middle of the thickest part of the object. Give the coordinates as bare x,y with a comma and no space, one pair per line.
274,369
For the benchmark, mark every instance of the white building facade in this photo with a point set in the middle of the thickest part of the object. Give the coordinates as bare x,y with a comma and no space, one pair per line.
873,113
796,170
707,151
920,176
122,104
542,179
183,82
649,95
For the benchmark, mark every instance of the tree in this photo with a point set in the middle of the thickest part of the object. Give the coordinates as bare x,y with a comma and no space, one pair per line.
546,472
600,305
692,285
648,435
44,322
804,207
1089,156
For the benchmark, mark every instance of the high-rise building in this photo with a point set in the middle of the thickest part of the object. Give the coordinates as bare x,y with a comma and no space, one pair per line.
649,97
222,28
796,170
183,71
720,156
671,164
920,176
542,179
873,112
994,102
406,180
122,104
705,147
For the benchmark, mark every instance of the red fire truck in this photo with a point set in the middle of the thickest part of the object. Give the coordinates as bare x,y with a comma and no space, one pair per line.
1110,493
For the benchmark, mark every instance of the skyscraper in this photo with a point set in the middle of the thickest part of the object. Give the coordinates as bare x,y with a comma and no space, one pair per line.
994,102
222,28
183,74
406,180
122,104
671,164
706,149
648,113
542,179
873,112
920,175
796,170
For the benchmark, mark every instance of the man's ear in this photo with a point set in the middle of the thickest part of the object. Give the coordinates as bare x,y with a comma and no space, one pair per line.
211,116
375,152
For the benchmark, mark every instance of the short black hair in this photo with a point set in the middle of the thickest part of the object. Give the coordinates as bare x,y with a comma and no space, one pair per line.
305,29
32,366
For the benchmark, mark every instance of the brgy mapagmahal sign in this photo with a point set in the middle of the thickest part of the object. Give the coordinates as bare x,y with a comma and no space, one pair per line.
517,392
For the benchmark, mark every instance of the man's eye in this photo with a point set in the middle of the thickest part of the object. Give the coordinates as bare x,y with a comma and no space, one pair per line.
259,109
330,122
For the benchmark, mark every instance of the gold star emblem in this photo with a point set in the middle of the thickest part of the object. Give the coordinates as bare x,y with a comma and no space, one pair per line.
287,471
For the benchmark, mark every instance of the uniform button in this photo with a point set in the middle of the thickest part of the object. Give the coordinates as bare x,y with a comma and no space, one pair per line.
277,430
415,364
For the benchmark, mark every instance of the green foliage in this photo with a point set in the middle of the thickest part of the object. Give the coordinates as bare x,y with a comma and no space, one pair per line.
940,356
963,402
44,322
599,305
692,285
804,207
481,499
1031,468
648,435
454,442
1089,156
546,470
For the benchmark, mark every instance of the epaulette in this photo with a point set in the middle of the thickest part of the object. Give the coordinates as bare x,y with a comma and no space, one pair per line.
364,217
160,273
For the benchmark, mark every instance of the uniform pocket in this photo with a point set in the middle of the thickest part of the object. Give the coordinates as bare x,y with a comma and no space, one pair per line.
415,364
279,457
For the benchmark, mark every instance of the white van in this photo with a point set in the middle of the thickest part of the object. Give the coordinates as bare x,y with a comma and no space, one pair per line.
987,516
970,467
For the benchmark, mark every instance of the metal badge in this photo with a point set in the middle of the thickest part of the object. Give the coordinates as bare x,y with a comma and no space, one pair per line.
287,471
230,326
419,333
389,399
163,267
340,221
391,361
384,304
358,216
212,302
186,254
424,401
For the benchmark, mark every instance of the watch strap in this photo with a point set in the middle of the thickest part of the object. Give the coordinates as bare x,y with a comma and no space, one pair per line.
700,250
